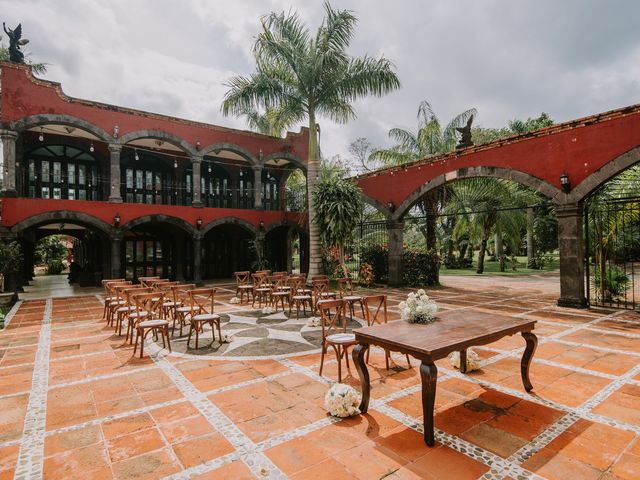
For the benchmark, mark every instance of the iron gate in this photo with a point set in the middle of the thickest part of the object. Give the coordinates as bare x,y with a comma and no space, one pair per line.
612,258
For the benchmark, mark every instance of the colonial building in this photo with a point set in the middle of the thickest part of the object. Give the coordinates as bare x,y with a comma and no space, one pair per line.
142,193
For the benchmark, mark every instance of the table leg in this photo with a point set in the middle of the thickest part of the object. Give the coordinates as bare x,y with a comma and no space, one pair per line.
463,361
429,375
532,343
358,355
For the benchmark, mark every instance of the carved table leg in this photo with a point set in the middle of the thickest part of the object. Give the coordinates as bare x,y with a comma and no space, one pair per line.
429,375
463,361
532,343
358,355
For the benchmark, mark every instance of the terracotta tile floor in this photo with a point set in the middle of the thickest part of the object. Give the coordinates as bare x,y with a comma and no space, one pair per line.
74,403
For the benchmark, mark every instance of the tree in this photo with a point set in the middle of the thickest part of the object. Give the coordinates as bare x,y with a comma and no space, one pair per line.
52,251
272,122
338,207
306,77
430,139
360,149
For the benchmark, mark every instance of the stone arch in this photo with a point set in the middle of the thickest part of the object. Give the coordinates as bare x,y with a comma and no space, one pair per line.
284,223
159,135
378,205
159,218
63,216
604,174
230,221
69,120
232,147
296,160
548,190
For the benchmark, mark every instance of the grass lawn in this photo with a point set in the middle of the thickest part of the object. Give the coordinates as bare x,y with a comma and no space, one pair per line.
493,268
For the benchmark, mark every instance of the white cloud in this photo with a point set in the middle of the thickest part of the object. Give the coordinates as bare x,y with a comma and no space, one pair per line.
508,59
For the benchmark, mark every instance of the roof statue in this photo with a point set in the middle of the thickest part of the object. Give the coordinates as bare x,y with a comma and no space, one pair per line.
465,140
15,42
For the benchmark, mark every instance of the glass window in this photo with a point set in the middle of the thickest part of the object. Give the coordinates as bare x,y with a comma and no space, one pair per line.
71,194
149,180
139,178
150,251
158,181
45,177
81,174
82,194
57,172
140,251
129,252
71,173
32,170
148,198
45,192
57,193
188,186
129,176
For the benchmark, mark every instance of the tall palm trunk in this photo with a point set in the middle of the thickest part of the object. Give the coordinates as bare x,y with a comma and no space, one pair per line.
313,173
481,253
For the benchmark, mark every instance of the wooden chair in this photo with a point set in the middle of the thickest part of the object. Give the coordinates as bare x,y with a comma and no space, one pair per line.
243,286
321,291
375,307
334,332
169,305
151,303
261,289
117,300
280,292
345,292
181,309
145,280
129,305
299,296
110,294
202,301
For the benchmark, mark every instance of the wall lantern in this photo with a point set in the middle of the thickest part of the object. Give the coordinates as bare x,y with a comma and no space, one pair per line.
116,220
391,206
199,223
116,131
198,145
565,183
261,225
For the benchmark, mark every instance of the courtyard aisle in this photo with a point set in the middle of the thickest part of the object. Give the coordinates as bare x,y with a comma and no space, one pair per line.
75,403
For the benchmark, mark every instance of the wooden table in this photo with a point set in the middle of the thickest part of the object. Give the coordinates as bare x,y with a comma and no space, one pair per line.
452,331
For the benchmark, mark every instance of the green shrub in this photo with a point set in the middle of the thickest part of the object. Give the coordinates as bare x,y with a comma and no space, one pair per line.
378,257
421,269
54,267
616,282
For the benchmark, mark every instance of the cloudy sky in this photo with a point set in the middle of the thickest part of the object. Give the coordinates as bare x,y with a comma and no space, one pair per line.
509,59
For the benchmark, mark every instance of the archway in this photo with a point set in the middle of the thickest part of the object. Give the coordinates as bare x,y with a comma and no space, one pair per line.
228,246
287,247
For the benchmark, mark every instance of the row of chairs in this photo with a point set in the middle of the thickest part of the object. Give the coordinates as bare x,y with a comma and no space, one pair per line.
334,327
153,303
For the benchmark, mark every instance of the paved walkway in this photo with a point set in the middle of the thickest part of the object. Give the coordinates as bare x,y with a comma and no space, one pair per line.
74,403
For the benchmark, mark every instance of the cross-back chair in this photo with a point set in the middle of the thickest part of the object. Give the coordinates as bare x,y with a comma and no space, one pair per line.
181,308
299,296
334,332
375,307
243,285
345,291
151,304
321,291
261,289
202,301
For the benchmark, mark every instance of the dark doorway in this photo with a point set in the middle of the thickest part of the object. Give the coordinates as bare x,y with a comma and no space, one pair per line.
227,249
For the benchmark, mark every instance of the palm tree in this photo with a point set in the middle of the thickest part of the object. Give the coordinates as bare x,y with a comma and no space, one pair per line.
272,122
430,139
481,206
305,77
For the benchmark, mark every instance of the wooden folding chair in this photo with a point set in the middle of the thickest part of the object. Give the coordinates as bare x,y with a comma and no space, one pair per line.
321,291
299,296
243,286
334,332
280,292
110,294
129,305
375,307
345,291
152,304
261,289
181,309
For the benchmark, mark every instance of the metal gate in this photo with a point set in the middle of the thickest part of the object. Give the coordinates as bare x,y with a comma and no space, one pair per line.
367,235
612,258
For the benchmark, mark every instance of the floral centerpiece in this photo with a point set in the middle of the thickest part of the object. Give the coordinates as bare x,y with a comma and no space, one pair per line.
342,401
418,308
234,300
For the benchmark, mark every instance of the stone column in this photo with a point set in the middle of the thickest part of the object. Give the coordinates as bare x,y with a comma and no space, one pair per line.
116,252
9,138
257,186
196,163
530,252
197,260
570,243
396,240
114,173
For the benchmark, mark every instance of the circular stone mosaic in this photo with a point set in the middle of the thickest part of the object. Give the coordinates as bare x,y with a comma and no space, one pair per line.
255,334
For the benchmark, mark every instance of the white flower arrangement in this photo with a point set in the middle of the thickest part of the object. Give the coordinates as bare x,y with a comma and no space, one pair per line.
418,308
342,401
268,310
234,300
313,322
473,360
227,338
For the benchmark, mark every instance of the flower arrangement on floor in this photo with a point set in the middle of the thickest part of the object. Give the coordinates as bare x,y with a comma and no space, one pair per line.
268,310
313,322
234,300
365,276
342,401
473,360
227,338
418,308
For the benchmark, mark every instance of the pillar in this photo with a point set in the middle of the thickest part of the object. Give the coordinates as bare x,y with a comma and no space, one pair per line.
197,260
570,243
530,252
116,252
395,231
257,186
196,163
114,173
8,138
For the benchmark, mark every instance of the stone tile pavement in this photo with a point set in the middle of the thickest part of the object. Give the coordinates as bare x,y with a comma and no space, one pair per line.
75,403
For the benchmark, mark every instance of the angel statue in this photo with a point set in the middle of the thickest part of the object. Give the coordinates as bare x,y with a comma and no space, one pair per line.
15,42
465,140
